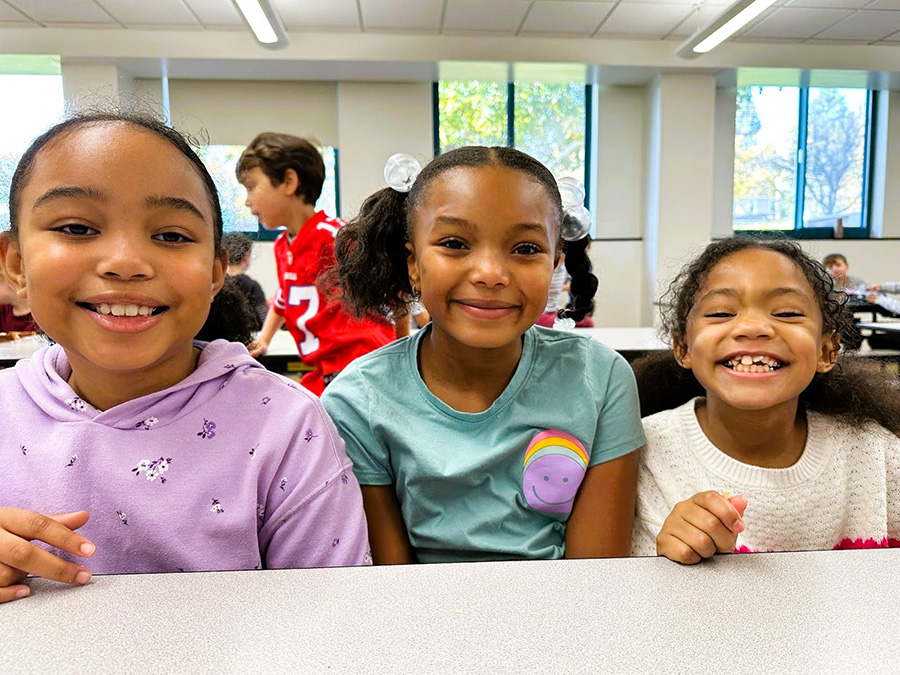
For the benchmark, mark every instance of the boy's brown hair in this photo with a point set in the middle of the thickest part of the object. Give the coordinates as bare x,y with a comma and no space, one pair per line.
832,258
275,153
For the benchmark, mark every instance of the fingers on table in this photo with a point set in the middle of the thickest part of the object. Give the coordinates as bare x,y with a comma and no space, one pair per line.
18,527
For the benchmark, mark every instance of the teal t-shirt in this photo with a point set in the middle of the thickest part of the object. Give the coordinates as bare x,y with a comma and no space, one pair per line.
498,484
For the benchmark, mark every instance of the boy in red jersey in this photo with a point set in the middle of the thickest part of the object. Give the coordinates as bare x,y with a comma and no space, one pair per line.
283,175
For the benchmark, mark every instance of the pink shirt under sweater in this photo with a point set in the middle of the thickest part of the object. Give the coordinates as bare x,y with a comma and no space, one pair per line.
232,468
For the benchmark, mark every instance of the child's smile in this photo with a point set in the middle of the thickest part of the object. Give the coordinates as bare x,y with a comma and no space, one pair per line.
124,313
752,363
754,335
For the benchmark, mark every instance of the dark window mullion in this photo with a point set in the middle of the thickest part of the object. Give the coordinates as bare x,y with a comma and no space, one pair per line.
800,197
511,114
436,117
588,152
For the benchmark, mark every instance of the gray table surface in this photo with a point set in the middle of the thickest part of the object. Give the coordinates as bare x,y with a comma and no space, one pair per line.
778,612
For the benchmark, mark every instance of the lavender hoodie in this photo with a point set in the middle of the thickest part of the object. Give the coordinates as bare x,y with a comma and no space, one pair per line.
232,468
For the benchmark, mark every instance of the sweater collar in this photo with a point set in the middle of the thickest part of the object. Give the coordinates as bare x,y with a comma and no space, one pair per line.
815,456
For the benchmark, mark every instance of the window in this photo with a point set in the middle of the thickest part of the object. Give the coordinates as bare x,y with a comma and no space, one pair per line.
800,159
221,160
39,105
547,120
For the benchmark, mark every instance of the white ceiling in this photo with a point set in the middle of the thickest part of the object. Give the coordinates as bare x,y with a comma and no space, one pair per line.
796,21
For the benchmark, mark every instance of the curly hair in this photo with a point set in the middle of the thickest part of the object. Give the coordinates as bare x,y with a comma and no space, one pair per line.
274,153
371,257
228,318
238,246
855,390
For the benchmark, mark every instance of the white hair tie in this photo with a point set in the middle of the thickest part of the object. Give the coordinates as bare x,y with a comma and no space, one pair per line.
576,218
400,171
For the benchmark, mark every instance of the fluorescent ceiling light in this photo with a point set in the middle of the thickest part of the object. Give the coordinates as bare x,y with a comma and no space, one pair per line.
264,22
729,22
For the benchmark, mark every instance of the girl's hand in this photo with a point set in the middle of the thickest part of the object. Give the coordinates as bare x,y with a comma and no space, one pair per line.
873,287
258,348
19,557
701,526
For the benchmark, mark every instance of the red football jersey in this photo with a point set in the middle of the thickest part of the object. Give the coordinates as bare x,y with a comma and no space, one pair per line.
327,337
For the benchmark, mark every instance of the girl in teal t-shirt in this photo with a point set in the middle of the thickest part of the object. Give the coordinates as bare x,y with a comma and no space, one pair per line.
482,436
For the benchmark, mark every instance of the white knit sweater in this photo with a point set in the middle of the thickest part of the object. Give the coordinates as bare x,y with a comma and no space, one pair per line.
843,492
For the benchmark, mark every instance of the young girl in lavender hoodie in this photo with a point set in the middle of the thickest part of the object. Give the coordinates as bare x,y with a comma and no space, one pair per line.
153,449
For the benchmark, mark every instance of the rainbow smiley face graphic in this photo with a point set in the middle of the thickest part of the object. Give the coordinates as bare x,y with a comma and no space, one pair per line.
555,464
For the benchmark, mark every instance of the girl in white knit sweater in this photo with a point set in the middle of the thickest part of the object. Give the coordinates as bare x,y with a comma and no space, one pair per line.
766,440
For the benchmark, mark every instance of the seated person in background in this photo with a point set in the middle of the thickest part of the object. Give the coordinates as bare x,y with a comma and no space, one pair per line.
557,284
238,247
884,340
890,304
836,265
14,312
403,321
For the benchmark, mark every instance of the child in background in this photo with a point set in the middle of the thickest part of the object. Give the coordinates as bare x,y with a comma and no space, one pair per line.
878,297
773,438
238,247
417,315
14,313
836,265
186,455
283,175
557,284
482,437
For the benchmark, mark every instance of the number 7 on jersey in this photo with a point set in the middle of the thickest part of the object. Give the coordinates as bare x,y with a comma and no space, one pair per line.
297,296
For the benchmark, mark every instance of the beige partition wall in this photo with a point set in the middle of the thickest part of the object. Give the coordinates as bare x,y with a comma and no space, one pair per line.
233,111
377,120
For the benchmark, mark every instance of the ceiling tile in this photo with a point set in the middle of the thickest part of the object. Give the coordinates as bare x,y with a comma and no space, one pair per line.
156,12
790,22
402,14
832,4
884,4
575,18
216,12
63,11
302,15
697,20
499,16
641,20
693,4
864,25
7,13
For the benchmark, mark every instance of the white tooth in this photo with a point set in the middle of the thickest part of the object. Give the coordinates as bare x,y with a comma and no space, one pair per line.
746,359
118,310
131,310
103,309
144,311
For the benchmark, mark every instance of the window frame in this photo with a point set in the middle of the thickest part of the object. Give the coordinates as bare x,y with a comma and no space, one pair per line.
798,231
511,127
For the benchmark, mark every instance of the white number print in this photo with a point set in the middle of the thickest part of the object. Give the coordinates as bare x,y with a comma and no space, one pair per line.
297,296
